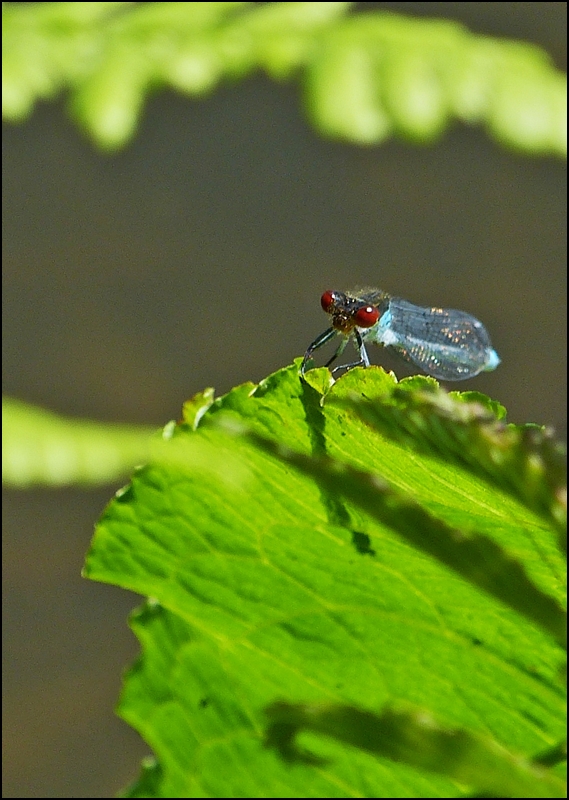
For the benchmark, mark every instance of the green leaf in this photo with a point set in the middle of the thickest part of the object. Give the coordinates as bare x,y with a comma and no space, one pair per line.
524,460
366,75
289,585
40,448
471,554
415,738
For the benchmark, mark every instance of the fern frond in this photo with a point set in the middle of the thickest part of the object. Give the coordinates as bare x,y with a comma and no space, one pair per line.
366,76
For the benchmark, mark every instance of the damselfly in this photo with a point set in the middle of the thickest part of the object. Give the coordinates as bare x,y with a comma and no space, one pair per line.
443,342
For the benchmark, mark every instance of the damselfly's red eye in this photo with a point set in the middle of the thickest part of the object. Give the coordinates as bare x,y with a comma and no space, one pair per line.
366,316
327,301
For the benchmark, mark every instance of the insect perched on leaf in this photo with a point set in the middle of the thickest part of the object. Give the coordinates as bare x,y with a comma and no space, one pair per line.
448,344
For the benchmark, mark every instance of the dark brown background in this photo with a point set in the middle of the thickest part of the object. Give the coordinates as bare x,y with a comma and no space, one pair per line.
196,257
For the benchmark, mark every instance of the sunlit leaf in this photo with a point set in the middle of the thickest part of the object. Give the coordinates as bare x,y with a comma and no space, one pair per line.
366,74
40,448
288,587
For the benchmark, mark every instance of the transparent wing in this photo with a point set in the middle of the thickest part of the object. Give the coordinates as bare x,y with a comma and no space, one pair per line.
445,343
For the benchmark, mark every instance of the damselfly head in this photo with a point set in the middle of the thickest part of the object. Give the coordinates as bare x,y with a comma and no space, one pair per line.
348,312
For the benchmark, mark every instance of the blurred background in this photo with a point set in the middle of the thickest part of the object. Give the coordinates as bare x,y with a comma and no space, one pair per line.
196,257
